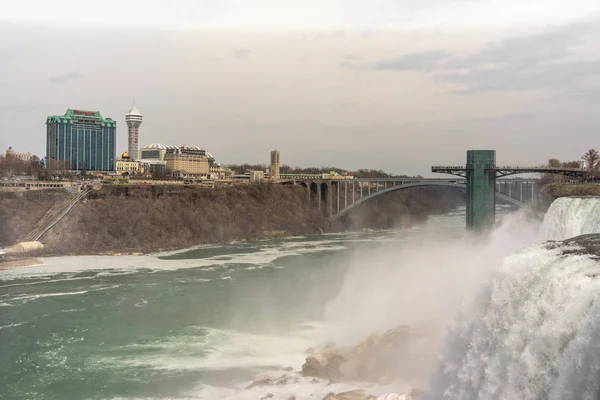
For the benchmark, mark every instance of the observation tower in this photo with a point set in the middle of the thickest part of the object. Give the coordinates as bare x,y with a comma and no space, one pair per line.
133,119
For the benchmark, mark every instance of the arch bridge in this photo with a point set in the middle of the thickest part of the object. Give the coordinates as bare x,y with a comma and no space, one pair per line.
481,178
338,197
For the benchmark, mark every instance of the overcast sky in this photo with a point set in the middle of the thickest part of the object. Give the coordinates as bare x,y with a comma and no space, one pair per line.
390,84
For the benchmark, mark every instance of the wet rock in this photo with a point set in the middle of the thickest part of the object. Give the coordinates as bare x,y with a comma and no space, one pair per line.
268,380
366,361
261,380
416,393
393,396
358,394
316,365
289,369
267,396
329,396
315,380
286,379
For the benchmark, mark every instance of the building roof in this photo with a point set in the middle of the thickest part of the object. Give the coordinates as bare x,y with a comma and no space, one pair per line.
161,146
77,114
134,111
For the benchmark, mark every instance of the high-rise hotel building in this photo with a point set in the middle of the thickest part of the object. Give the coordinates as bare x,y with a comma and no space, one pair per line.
82,139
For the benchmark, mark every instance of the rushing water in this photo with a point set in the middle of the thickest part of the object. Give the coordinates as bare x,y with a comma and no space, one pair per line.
202,323
532,332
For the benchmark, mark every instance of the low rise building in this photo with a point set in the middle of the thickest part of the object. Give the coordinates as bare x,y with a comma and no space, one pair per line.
156,169
187,162
257,176
10,153
126,166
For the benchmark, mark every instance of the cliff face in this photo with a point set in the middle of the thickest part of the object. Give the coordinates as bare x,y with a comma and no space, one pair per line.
19,211
142,219
145,219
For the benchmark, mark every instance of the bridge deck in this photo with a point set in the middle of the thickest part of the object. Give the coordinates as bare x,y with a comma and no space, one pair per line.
509,170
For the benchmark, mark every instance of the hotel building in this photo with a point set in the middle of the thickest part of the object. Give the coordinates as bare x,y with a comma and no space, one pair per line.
82,139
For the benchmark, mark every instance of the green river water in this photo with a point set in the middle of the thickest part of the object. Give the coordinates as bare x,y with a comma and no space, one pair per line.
201,323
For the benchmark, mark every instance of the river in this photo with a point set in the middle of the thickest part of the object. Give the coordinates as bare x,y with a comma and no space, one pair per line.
201,323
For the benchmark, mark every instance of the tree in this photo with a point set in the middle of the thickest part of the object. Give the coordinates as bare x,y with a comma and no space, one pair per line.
591,158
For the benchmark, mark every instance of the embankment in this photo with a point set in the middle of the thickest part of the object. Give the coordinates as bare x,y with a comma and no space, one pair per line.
568,189
153,218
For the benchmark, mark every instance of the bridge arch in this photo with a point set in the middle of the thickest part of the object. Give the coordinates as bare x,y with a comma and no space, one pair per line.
458,185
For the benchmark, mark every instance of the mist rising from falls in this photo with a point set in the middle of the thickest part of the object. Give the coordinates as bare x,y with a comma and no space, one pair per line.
571,216
532,332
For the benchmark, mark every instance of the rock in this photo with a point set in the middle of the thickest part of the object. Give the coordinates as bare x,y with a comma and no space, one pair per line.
393,396
369,360
267,396
291,397
316,365
416,392
359,394
261,380
315,380
309,351
329,396
286,379
267,380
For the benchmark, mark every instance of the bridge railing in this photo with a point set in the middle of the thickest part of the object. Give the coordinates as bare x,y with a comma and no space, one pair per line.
506,167
461,167
542,168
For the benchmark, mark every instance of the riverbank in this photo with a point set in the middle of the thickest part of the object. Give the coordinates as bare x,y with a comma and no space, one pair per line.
569,189
140,220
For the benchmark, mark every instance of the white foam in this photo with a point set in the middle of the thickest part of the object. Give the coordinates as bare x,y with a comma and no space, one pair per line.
133,264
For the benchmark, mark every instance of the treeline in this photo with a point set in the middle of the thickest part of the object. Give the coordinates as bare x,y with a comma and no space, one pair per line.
590,162
286,169
13,166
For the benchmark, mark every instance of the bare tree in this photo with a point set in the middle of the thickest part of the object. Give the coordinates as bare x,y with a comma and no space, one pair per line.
591,158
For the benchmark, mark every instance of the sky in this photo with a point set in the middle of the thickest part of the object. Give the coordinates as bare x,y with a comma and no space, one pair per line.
383,84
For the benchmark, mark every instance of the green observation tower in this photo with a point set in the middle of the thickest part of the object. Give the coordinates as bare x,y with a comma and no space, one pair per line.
481,189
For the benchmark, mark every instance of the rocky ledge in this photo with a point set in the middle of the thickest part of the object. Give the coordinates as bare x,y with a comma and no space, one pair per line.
588,245
372,362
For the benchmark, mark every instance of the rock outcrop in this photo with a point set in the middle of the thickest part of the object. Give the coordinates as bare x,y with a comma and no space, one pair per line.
368,361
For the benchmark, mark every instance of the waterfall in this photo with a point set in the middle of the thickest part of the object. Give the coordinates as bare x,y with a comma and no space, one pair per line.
571,216
532,332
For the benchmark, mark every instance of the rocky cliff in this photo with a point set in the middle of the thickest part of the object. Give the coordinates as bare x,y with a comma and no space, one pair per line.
153,218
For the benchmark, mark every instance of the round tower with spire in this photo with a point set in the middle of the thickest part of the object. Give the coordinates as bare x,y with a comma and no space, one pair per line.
133,119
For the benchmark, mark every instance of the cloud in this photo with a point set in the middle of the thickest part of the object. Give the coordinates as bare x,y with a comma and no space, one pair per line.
520,116
65,78
548,46
424,61
549,59
242,53
554,75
